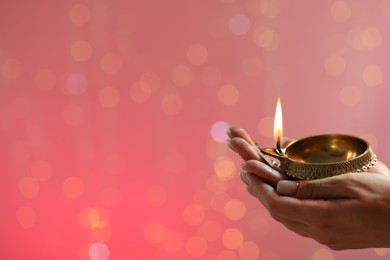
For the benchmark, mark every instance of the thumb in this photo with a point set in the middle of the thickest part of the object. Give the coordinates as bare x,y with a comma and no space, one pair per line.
327,188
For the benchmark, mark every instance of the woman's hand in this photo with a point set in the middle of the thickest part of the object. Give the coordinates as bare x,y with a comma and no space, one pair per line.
342,212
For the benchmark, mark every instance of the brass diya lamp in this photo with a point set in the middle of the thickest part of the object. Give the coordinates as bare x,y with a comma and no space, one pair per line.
320,156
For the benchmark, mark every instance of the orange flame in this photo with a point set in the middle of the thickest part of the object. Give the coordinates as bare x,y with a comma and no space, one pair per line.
278,123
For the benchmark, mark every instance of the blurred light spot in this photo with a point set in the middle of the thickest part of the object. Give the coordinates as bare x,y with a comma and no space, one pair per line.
252,66
235,209
73,187
73,115
219,28
341,11
79,14
218,132
372,75
154,232
91,218
11,69
197,54
369,38
181,75
372,38
174,162
111,63
349,95
225,168
232,238
211,230
103,233
381,251
210,76
266,38
371,139
239,24
29,187
219,200
193,214
323,254
76,84
99,251
196,246
334,65
156,195
108,97
115,164
111,197
227,255
140,91
266,126
81,50
41,170
26,217
249,251
152,80
172,104
45,79
228,95
20,151
172,242
267,8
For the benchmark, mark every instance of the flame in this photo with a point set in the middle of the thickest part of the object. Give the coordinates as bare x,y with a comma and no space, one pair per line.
278,122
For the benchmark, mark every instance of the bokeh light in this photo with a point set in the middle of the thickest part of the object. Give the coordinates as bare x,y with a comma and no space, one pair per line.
334,65
197,54
323,254
232,238
372,75
181,75
76,84
11,69
225,168
239,24
81,50
26,217
29,187
172,242
73,187
267,8
79,14
266,38
172,104
193,214
218,132
109,97
196,246
228,95
249,251
235,209
154,232
266,126
350,95
341,11
99,251
140,91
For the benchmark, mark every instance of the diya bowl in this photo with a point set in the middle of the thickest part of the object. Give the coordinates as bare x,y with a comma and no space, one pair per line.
324,156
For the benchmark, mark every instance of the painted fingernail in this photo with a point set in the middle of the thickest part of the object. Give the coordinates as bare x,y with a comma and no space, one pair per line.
244,177
228,131
228,143
287,187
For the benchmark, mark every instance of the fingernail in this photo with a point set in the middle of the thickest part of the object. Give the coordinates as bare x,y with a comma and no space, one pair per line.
228,131
228,143
244,177
287,187
243,166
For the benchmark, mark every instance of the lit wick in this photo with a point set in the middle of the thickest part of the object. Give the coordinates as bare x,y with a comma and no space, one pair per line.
278,127
278,148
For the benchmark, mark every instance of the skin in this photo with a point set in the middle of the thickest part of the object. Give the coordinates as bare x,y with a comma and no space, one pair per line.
348,211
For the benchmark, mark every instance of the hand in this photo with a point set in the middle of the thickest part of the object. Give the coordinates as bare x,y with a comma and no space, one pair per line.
342,212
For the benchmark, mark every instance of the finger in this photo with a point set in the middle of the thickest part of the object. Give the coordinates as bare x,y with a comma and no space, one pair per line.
337,187
265,172
380,168
235,131
243,148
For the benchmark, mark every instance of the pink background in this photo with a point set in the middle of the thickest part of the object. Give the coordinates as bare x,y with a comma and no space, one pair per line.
113,113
